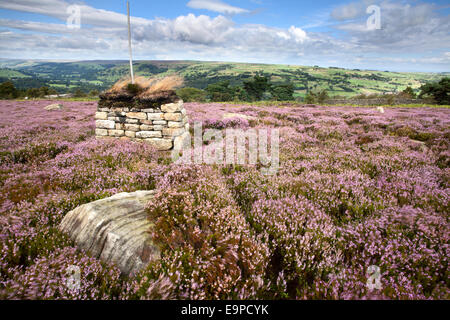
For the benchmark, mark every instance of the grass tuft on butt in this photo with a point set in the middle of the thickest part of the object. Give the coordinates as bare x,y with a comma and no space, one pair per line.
146,86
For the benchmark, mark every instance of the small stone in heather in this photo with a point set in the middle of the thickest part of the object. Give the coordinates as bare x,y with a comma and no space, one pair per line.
55,106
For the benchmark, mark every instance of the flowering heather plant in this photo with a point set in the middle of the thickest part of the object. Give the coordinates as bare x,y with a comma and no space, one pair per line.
48,278
409,245
236,123
50,164
208,248
301,241
355,188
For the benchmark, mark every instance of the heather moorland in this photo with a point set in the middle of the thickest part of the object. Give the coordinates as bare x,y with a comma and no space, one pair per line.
356,187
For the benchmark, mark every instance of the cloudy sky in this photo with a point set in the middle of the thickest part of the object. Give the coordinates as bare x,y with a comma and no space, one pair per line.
411,36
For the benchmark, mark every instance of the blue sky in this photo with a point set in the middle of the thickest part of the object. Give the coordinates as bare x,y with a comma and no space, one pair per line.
412,35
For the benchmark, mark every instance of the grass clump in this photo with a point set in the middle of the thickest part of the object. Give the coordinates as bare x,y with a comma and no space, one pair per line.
146,86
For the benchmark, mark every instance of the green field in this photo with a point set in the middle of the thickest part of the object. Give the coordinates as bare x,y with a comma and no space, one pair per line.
89,75
12,74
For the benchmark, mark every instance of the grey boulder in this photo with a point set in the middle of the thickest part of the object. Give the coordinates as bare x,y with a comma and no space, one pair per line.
55,106
115,230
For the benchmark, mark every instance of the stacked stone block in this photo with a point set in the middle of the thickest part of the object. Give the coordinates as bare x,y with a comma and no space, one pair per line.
160,125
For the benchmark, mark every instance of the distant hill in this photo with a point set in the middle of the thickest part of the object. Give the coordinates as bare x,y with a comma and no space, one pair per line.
98,74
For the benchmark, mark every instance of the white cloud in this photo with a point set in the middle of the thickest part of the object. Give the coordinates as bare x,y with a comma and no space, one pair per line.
406,29
283,35
185,37
195,29
191,31
298,34
216,6
34,26
350,11
58,9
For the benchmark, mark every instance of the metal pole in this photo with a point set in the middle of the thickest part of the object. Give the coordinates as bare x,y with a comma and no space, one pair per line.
129,43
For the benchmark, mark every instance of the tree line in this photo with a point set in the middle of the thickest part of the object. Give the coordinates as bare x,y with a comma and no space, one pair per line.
260,88
9,91
256,89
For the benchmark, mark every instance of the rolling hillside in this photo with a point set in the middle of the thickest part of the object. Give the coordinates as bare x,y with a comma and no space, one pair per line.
88,75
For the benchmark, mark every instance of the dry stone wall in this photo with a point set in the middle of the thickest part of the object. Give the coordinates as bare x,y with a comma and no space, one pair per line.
160,125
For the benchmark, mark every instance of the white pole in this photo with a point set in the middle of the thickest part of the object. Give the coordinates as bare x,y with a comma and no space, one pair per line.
129,43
